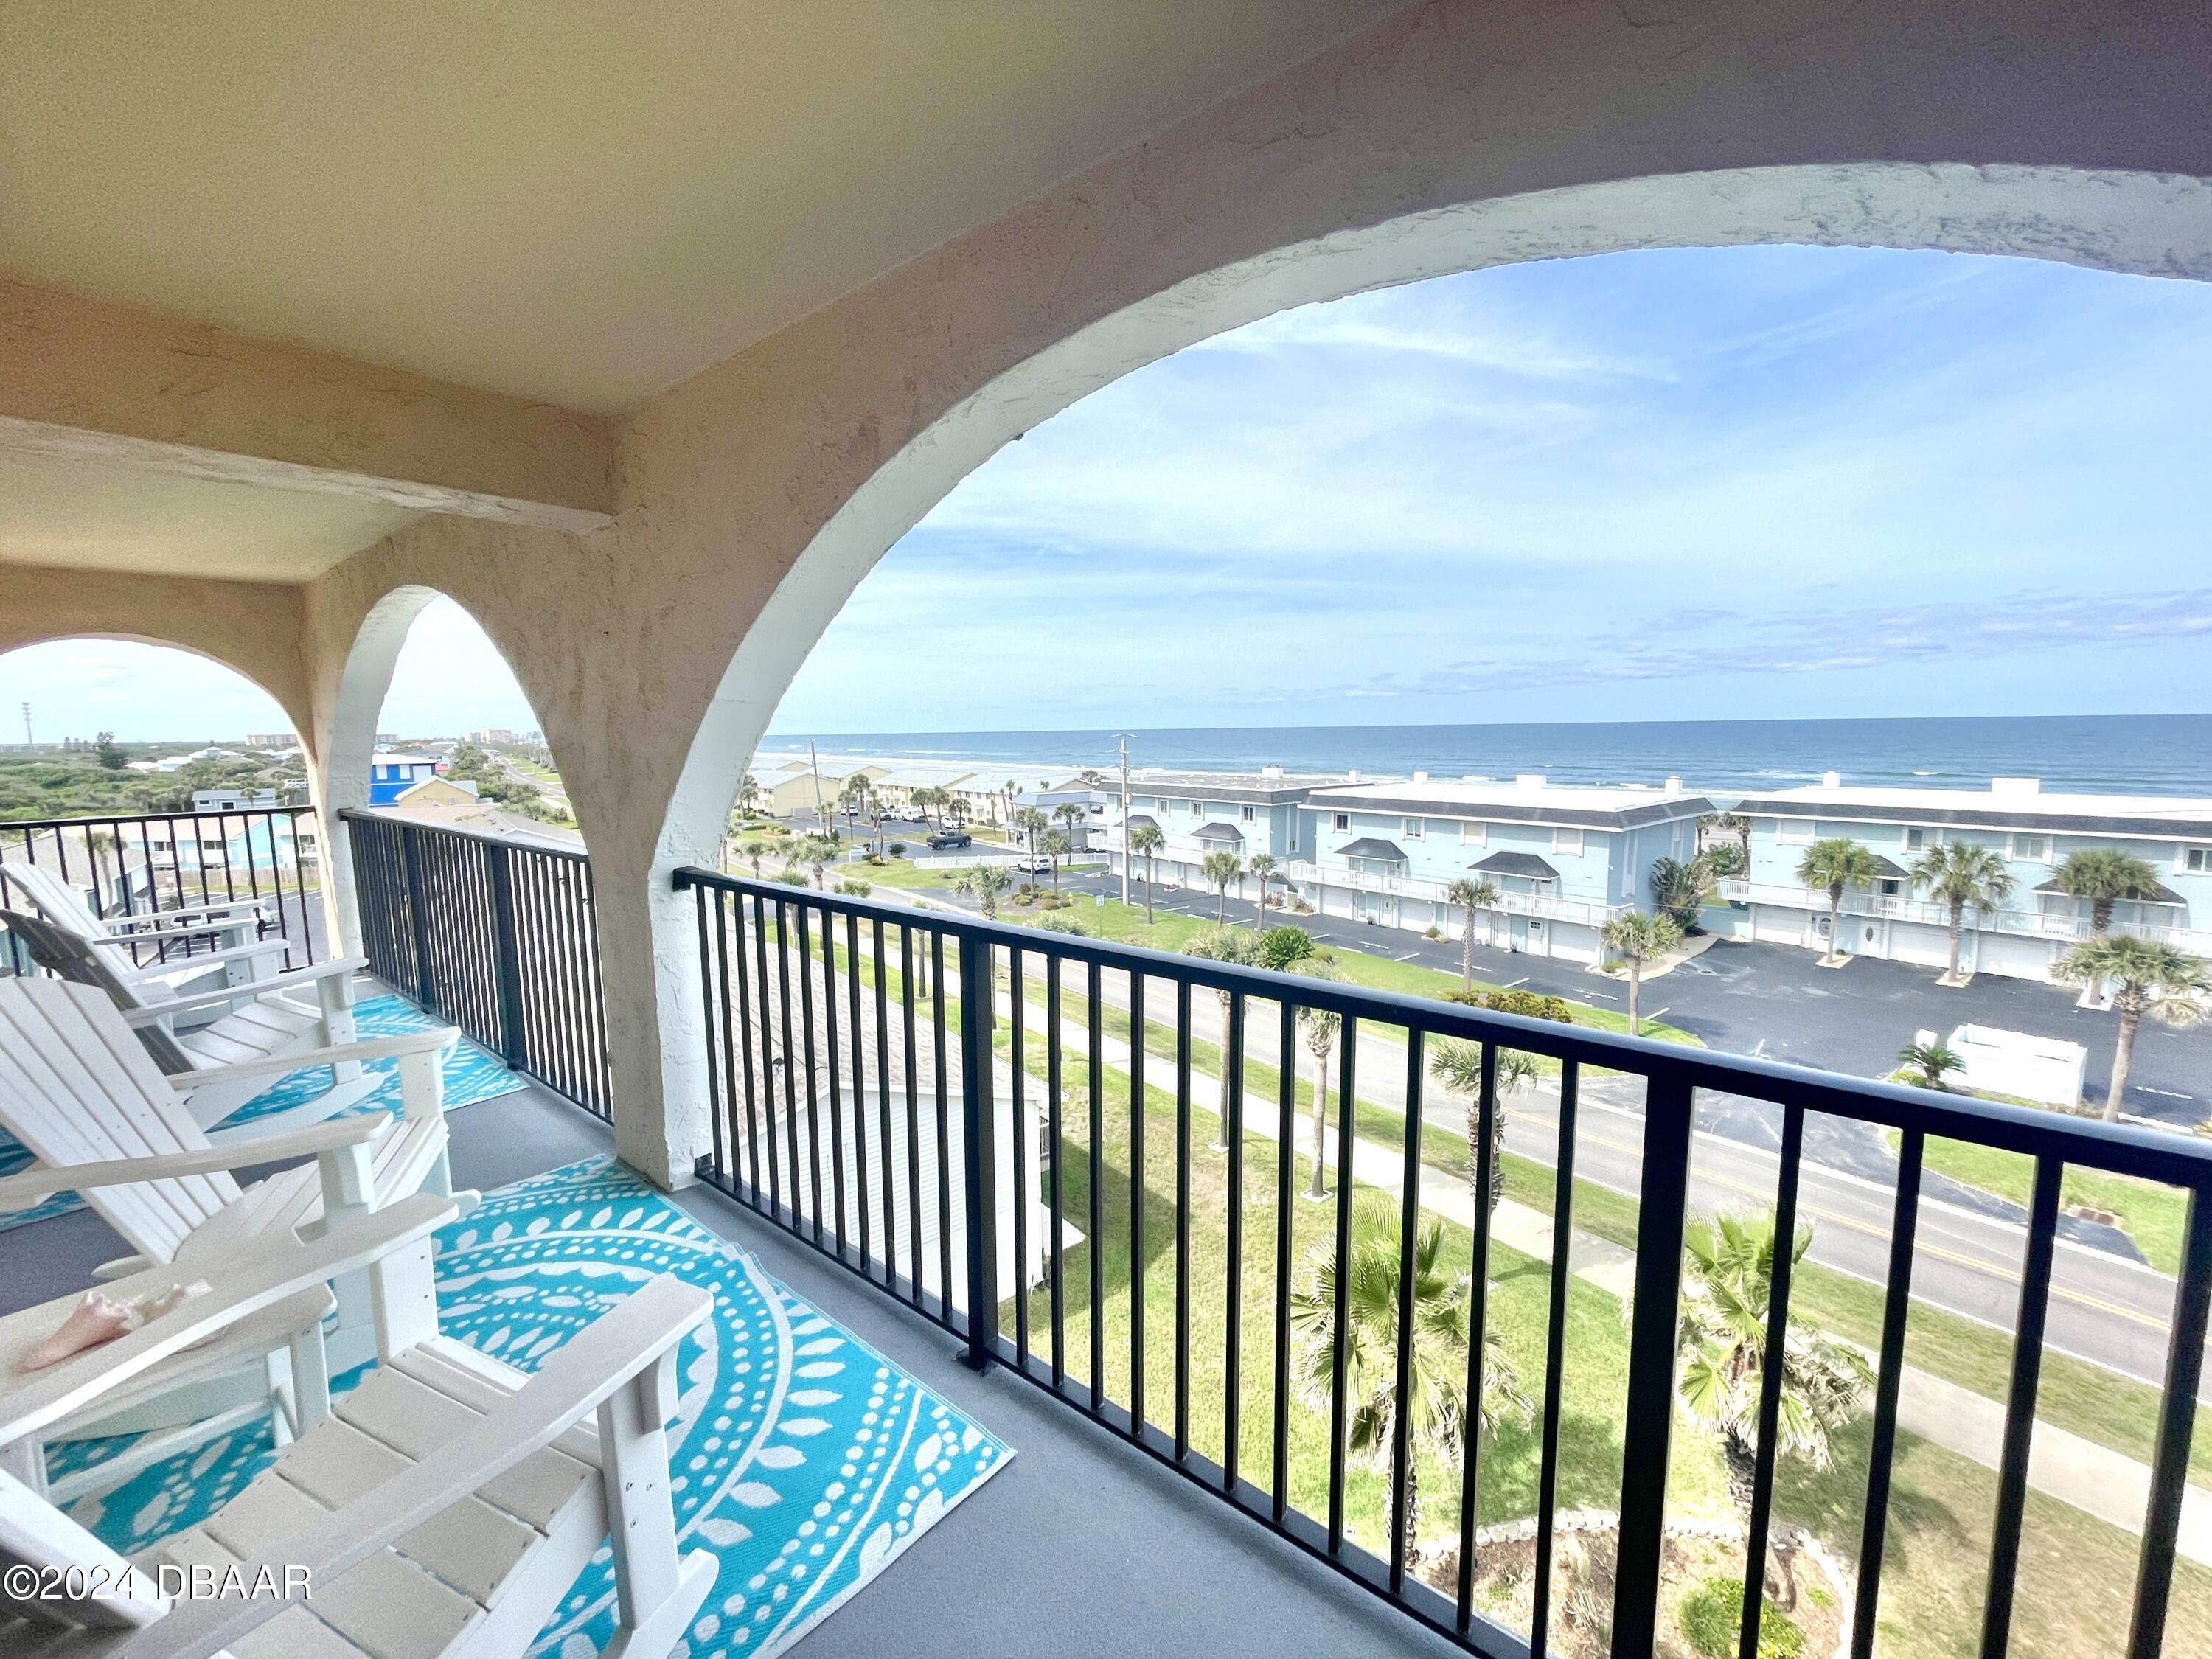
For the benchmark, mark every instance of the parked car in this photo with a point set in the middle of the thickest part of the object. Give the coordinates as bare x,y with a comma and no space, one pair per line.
950,841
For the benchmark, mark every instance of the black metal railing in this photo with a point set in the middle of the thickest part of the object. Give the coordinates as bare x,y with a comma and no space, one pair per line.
498,936
936,1140
175,862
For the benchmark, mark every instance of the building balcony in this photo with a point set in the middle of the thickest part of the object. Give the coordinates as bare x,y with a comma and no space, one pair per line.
942,1135
1547,906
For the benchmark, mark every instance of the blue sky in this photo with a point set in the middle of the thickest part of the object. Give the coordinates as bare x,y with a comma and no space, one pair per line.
1793,481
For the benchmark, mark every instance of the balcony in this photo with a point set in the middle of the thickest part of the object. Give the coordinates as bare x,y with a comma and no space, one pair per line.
1546,905
2030,924
962,1177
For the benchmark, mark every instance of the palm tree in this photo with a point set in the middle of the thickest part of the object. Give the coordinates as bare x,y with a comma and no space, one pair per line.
1636,939
1321,1026
928,799
853,798
2147,978
1145,841
1436,1407
1013,787
1958,874
1457,1064
984,883
1259,866
1070,815
815,852
1055,846
1221,869
1835,863
1933,1061
1470,896
752,849
1031,823
1229,944
1732,824
748,793
1728,1270
1680,889
2104,875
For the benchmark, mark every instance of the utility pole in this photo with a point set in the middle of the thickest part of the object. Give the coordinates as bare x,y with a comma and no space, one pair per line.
814,761
28,743
1124,743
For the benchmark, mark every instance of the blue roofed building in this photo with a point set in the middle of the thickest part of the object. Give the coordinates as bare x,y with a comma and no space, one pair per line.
390,776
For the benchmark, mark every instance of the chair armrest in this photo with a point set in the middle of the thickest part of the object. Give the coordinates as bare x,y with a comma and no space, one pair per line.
197,958
21,1190
214,918
243,1278
570,1385
260,988
384,1047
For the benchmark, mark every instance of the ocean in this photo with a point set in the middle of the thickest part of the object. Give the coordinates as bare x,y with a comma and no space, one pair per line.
2149,754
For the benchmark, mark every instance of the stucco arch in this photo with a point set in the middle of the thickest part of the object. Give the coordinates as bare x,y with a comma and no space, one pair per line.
2144,224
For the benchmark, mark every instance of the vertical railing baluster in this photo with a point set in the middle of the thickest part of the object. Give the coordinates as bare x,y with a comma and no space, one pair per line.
887,1174
743,1022
978,1127
787,1061
856,1037
1054,1133
1555,1352
507,963
426,988
1018,1122
713,991
943,1128
1478,1328
1183,1221
2019,1406
1773,1363
2177,1419
1232,1334
915,1259
804,951
772,1059
1402,1450
1340,1353
834,1061
1093,1029
1662,1208
1137,1203
1881,1449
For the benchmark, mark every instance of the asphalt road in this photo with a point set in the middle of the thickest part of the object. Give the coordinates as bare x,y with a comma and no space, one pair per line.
1770,1000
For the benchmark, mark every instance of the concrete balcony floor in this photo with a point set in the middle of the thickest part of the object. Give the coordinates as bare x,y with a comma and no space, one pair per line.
1081,1546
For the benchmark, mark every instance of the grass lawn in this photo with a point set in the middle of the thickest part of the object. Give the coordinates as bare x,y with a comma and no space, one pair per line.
2151,1214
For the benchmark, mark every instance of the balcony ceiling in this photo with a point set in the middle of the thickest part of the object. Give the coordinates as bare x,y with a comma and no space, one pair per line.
568,202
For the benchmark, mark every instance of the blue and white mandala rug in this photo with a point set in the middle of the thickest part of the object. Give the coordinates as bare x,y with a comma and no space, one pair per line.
805,1460
472,1075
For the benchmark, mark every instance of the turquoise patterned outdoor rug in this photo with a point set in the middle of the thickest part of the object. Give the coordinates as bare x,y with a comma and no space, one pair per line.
805,1460
471,1074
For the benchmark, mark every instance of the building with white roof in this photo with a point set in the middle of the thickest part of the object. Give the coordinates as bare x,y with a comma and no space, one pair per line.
2032,832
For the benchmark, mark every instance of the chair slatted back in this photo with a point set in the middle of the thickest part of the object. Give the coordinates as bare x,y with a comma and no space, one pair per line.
76,1086
36,1534
57,902
63,955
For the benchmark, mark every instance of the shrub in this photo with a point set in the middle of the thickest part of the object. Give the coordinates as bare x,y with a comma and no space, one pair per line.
792,877
896,849
1433,932
1712,1614
1282,945
1529,1005
854,888
1062,925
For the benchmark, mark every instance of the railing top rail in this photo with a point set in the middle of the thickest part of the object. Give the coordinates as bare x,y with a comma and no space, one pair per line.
370,815
2120,1148
11,824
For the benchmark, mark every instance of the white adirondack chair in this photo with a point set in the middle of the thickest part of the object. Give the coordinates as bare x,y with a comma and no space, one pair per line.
254,1022
242,956
441,1510
80,1091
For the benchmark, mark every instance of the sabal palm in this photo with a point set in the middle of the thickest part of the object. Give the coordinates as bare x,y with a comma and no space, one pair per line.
1470,895
1728,1272
1055,845
1234,946
1031,823
1320,1027
1835,863
1457,1064
752,849
2147,977
1145,840
815,852
1259,866
1636,939
2104,875
1958,874
984,883
1436,1413
1680,889
1220,869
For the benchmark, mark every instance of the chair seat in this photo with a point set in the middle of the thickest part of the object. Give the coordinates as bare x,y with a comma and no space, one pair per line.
507,1555
292,1200
266,1026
